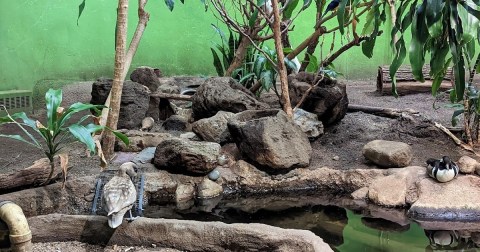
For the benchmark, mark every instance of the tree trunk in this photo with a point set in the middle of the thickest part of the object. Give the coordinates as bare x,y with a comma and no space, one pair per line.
239,56
117,86
282,71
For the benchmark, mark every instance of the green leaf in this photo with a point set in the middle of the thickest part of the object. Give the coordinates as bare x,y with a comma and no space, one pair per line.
312,66
253,18
170,4
287,50
267,79
341,15
80,10
246,77
288,10
261,3
83,135
217,63
259,65
53,99
455,115
367,47
20,138
399,57
306,3
75,108
121,136
290,64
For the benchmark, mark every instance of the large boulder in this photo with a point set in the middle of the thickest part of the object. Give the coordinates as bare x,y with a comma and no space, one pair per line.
179,84
146,76
388,154
177,123
222,93
328,100
270,139
134,102
214,129
186,157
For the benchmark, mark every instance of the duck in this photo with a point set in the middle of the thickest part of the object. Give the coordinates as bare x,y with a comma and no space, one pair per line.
443,170
119,194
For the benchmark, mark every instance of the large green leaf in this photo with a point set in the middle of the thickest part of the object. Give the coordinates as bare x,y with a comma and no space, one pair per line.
312,66
83,135
457,54
306,3
53,99
367,47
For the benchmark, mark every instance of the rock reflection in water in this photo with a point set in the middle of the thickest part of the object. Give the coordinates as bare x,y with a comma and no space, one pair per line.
451,240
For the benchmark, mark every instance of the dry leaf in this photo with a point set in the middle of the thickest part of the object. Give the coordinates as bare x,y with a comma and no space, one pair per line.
63,165
103,161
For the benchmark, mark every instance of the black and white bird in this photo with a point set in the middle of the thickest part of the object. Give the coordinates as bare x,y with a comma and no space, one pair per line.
443,170
119,194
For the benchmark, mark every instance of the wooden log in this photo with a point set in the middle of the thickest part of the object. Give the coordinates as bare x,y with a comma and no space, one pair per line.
172,96
379,111
35,174
406,83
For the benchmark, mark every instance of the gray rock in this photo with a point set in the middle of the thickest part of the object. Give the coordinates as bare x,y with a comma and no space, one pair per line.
328,100
183,82
184,192
209,189
214,129
140,140
308,122
467,164
214,175
177,123
271,139
159,108
134,103
145,156
184,156
388,153
190,136
183,235
457,200
222,93
380,190
146,76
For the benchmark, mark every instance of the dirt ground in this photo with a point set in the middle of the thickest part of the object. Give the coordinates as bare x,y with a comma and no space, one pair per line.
340,147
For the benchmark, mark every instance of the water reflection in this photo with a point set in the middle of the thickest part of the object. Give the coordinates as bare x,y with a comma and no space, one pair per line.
343,230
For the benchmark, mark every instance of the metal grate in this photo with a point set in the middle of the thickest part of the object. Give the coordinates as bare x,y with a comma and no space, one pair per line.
16,101
103,178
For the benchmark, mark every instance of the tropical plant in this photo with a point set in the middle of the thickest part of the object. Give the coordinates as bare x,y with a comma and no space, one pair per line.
447,30
57,133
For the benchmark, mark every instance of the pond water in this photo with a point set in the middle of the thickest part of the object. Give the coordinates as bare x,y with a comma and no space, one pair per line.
342,229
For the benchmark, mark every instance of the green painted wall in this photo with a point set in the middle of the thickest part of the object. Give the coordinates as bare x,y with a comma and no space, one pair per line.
40,42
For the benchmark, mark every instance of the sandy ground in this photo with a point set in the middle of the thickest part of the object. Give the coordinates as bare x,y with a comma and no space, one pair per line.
339,148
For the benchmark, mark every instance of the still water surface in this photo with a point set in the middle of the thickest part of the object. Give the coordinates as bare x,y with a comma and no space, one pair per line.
342,229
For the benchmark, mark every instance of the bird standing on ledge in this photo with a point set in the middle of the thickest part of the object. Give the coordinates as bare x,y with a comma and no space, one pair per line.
331,6
443,170
119,194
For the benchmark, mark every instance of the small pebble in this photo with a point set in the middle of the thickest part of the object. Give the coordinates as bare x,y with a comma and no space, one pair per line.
214,175
336,158
222,160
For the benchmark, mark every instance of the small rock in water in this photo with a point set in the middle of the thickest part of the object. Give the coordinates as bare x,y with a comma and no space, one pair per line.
336,158
214,175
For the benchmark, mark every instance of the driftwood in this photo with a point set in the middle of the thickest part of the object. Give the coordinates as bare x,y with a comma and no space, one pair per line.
385,112
406,83
172,96
35,174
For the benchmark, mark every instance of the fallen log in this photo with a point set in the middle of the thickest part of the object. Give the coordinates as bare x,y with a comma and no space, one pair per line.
406,83
33,175
379,111
172,96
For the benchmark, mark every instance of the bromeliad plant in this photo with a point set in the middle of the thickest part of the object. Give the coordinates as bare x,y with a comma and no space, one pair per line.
57,133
